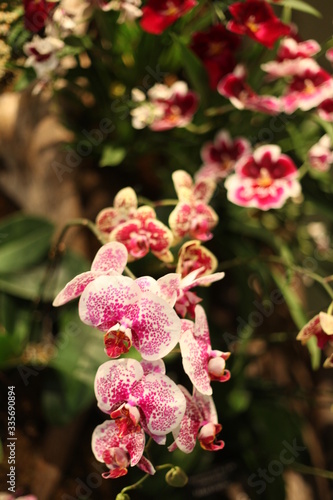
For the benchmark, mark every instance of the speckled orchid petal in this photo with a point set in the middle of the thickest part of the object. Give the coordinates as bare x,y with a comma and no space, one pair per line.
109,218
207,280
204,219
169,286
111,258
194,357
147,284
206,406
109,300
126,199
203,190
135,239
145,465
74,288
326,322
114,382
201,328
183,184
156,329
180,219
185,435
157,366
320,326
193,255
161,401
145,212
160,239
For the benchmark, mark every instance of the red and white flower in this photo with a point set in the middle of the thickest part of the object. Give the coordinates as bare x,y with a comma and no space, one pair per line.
256,19
216,48
320,327
289,54
200,362
160,14
37,12
42,54
321,154
110,260
325,110
263,180
119,444
150,398
308,88
199,423
129,9
242,96
166,107
192,215
129,316
137,228
220,156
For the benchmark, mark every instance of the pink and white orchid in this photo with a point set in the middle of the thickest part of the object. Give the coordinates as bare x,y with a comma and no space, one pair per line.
320,327
325,110
165,108
289,54
119,444
42,54
200,362
192,215
321,155
264,180
117,306
148,397
308,88
242,96
129,9
110,260
136,228
220,156
199,423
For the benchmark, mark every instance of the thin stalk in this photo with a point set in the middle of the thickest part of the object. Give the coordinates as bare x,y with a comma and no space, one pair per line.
314,471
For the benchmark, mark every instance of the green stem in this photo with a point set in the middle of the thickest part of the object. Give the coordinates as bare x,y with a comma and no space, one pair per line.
313,471
164,466
219,111
135,485
199,129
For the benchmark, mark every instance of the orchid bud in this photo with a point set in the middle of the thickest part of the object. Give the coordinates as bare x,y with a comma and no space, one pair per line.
176,477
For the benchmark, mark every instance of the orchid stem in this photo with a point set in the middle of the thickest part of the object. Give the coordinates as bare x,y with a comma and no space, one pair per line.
129,273
136,485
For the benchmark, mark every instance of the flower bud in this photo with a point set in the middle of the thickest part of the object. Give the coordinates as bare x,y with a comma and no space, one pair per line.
176,477
122,496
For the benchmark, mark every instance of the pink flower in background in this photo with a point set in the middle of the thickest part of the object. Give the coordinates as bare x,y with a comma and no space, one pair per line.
200,362
308,88
321,155
117,305
120,444
242,96
192,215
149,398
215,47
263,180
220,156
256,19
321,327
289,54
199,423
129,9
42,54
158,15
36,13
329,55
325,110
110,260
136,228
166,107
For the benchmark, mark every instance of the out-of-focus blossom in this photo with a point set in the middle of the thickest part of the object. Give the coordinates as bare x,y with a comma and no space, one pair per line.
129,9
152,399
137,228
199,422
308,88
42,55
318,231
321,155
110,260
256,19
289,54
166,107
62,23
36,13
320,327
263,180
329,55
200,362
325,110
160,14
220,156
192,215
193,256
128,315
242,96
119,444
215,48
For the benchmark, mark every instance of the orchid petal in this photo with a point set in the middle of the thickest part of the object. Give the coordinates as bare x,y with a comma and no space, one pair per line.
74,288
110,257
195,356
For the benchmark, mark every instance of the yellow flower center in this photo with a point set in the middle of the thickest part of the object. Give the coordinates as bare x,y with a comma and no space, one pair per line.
265,179
252,25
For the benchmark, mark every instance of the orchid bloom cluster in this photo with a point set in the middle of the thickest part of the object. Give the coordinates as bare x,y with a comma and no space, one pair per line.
151,317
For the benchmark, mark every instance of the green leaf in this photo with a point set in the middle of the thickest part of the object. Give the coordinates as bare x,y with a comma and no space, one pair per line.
80,351
27,284
301,6
24,241
15,321
112,156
